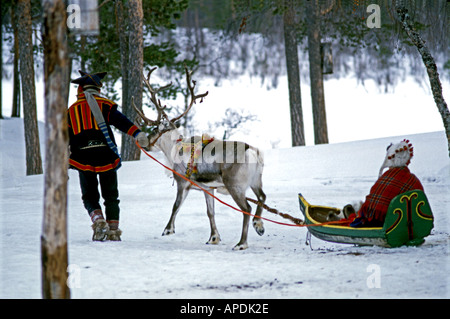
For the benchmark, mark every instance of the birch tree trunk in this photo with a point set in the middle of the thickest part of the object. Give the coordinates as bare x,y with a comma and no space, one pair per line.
130,151
293,72
32,147
430,65
54,230
315,73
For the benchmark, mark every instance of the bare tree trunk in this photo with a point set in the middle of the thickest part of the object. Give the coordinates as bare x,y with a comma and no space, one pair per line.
32,147
295,101
430,65
16,76
68,74
83,51
121,19
130,151
315,73
121,24
54,232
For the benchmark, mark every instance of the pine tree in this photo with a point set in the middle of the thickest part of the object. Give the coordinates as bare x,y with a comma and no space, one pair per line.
293,72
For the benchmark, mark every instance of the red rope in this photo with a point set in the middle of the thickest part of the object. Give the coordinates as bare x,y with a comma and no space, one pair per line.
231,206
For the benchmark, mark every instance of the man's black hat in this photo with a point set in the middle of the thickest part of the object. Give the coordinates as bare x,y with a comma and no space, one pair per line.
87,79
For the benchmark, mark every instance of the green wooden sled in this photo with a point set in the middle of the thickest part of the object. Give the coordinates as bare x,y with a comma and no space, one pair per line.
408,221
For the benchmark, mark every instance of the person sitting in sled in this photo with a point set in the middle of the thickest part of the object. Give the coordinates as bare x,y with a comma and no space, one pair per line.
395,181
93,152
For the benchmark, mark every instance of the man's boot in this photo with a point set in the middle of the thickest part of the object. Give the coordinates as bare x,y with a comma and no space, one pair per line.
99,226
114,232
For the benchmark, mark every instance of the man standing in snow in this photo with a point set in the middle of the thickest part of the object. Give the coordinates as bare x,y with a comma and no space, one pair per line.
395,181
93,152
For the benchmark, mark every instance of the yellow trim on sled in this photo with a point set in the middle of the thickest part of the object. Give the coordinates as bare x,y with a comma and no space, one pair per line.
397,222
417,211
307,205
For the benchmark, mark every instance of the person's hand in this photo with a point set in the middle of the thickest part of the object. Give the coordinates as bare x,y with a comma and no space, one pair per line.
142,139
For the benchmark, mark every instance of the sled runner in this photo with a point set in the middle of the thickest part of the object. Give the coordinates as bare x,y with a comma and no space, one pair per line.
408,221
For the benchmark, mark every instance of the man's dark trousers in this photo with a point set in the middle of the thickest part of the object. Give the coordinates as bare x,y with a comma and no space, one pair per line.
109,189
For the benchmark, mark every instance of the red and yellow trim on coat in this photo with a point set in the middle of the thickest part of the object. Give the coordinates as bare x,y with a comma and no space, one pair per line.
81,117
95,169
132,130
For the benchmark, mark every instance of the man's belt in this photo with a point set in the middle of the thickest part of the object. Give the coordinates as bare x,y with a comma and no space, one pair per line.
93,144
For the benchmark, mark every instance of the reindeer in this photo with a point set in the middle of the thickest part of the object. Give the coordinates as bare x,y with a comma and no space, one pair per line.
228,166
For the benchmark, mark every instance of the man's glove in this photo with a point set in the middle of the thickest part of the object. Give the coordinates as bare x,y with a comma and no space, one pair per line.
142,139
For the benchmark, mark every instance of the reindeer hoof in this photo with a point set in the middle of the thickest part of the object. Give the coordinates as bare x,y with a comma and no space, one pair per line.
259,227
168,232
240,247
214,240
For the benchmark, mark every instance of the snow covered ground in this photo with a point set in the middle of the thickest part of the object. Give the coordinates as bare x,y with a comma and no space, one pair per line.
276,265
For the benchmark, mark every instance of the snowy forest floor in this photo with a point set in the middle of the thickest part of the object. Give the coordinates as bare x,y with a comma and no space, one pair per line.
277,265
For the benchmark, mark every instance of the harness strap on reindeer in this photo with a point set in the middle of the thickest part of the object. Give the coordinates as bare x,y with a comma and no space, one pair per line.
195,149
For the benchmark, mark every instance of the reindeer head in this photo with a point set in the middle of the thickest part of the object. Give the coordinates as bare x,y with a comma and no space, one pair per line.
163,124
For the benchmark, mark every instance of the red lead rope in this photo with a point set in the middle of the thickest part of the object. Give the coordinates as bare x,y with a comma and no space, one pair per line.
231,206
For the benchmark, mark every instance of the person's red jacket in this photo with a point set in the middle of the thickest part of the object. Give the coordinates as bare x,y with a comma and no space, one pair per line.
393,182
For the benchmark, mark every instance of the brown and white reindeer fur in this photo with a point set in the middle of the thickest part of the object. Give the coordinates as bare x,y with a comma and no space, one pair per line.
228,166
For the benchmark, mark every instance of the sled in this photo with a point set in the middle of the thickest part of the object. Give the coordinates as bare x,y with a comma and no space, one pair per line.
408,221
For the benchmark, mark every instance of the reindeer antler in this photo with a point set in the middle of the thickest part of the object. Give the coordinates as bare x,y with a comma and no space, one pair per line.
143,119
191,86
153,98
157,102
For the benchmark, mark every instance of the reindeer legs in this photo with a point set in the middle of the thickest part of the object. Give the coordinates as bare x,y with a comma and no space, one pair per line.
258,222
215,237
238,195
182,191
